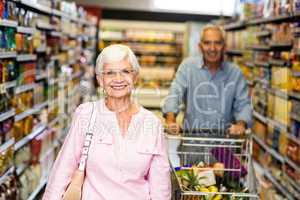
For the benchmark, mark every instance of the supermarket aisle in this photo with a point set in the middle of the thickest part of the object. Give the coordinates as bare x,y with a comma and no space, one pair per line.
46,49
267,51
47,59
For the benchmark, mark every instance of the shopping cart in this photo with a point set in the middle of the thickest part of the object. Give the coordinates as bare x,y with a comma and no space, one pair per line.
211,167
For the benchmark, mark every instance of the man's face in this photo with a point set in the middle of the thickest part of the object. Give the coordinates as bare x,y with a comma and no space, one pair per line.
212,46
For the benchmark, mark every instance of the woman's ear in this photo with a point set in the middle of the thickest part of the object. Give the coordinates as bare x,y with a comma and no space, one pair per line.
135,77
100,80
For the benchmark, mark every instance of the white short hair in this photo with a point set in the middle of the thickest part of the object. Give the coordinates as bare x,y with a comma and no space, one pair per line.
115,53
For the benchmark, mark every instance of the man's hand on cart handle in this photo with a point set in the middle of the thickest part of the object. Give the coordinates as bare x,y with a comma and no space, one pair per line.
172,126
238,129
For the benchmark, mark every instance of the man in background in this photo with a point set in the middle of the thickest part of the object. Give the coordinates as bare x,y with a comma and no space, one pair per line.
213,91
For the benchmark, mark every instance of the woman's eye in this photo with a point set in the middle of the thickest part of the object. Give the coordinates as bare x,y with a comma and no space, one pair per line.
126,71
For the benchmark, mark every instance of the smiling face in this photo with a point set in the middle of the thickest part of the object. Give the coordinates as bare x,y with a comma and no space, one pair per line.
117,78
212,46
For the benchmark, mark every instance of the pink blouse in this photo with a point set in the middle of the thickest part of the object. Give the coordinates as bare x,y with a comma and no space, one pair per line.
134,167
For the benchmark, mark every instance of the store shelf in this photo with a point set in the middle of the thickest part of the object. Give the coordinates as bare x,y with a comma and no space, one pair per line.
296,31
56,34
278,186
8,54
76,75
40,106
26,30
268,149
279,93
8,85
21,169
53,81
7,114
293,183
262,63
52,103
273,180
292,164
260,48
278,62
235,52
38,190
295,73
295,116
284,46
7,144
25,114
235,26
65,48
41,49
293,138
8,23
36,6
295,95
24,88
37,131
263,34
45,26
276,19
260,117
31,111
53,122
278,124
26,57
54,57
6,174
40,76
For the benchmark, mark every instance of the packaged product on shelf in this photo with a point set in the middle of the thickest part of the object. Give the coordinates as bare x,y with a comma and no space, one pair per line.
22,157
260,129
293,152
282,108
41,65
11,42
23,101
5,71
24,43
18,130
295,119
40,93
6,158
4,103
295,128
11,70
28,125
6,130
8,188
27,71
281,78
39,40
283,143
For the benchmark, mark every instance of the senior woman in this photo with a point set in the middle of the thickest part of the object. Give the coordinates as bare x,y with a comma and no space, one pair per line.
127,158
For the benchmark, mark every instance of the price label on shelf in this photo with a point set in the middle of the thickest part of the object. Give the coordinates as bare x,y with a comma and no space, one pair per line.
2,88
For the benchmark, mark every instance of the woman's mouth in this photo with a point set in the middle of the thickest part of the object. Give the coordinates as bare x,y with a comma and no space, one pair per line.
118,87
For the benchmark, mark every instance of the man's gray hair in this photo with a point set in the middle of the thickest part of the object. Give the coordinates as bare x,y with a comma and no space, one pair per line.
115,53
212,27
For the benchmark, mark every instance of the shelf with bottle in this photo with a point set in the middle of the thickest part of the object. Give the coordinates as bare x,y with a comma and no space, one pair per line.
26,30
37,130
26,57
